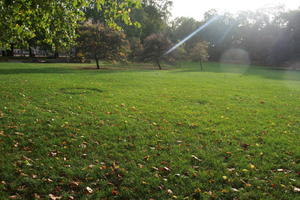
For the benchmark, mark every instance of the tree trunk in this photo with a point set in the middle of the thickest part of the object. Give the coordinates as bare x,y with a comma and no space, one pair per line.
4,53
201,65
158,64
56,54
11,51
31,54
97,62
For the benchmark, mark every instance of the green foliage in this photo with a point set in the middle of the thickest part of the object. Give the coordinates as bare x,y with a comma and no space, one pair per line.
144,134
51,22
111,12
54,22
152,16
182,27
101,42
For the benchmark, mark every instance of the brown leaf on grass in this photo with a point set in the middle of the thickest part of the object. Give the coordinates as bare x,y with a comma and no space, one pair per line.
18,133
13,197
74,184
133,108
34,176
146,158
166,169
2,133
140,166
155,168
196,158
53,197
102,167
296,189
101,122
245,146
49,180
91,166
89,190
53,154
170,192
114,192
36,196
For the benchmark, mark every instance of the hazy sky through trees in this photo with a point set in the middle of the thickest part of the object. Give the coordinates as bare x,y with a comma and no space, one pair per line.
196,8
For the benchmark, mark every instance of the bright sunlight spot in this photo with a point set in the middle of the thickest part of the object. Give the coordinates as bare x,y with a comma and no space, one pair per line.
196,8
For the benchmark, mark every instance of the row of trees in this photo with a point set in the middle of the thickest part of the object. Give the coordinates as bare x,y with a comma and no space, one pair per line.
270,36
53,24
98,29
142,31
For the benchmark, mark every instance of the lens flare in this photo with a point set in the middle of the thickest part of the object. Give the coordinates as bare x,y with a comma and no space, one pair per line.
239,57
291,76
227,31
192,34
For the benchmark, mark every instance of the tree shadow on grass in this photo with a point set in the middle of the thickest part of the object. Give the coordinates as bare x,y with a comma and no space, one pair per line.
264,72
49,70
76,91
73,70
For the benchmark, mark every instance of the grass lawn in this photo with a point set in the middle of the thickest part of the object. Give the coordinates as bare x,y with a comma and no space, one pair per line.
229,132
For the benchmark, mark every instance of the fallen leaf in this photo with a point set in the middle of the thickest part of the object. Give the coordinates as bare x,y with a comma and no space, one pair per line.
2,133
74,184
36,196
114,192
196,158
89,190
166,169
252,166
198,190
296,189
18,133
169,191
53,197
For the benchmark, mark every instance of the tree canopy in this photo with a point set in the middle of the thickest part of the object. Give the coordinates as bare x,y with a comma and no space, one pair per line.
55,22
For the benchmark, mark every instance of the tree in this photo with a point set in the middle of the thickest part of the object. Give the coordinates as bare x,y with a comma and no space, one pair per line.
152,16
182,27
200,52
101,42
155,46
54,22
136,49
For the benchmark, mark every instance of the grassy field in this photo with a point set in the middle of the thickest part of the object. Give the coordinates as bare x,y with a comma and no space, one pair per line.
229,132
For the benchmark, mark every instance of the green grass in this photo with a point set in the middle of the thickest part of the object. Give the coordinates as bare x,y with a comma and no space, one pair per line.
229,132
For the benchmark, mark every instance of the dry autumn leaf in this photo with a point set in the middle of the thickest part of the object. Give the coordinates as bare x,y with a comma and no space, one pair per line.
89,190
114,192
296,189
53,197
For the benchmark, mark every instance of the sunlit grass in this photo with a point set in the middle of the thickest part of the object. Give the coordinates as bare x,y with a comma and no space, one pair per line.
142,133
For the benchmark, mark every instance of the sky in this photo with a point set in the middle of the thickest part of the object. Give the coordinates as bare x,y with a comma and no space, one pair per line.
196,8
